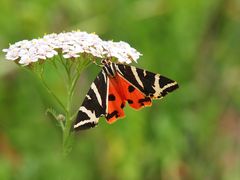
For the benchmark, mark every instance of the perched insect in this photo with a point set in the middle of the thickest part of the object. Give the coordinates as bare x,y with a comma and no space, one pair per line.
115,85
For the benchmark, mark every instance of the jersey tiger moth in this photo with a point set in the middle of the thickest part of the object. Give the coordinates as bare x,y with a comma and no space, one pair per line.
115,85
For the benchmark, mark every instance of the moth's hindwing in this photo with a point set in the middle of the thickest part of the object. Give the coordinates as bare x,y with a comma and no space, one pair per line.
94,104
122,91
151,84
116,100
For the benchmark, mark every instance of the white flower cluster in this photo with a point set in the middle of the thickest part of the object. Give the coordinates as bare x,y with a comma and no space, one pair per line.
71,45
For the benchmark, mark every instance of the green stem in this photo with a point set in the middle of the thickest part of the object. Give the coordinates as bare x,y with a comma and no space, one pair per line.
67,128
72,81
68,122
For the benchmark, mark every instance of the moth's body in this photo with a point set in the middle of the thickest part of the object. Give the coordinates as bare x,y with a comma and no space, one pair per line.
115,85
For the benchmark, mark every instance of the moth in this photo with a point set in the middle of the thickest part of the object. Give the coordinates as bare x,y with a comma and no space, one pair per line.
116,85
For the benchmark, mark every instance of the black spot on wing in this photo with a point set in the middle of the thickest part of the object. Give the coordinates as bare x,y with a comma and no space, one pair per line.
122,105
130,101
114,113
131,88
146,99
111,97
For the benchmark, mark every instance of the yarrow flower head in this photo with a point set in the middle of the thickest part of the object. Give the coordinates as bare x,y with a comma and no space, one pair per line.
69,45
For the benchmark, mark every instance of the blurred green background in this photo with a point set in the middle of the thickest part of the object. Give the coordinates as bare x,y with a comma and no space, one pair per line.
194,133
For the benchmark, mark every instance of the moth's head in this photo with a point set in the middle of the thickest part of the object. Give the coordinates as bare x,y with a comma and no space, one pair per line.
106,61
109,67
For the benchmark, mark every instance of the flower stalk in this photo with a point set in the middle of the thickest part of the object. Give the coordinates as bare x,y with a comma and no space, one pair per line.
72,81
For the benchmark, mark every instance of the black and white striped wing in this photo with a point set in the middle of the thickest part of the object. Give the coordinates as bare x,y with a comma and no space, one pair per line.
94,104
151,84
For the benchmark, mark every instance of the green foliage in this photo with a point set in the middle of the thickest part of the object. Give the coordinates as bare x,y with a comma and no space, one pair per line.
191,134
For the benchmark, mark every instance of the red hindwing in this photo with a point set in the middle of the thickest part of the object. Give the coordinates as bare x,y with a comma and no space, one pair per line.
121,91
